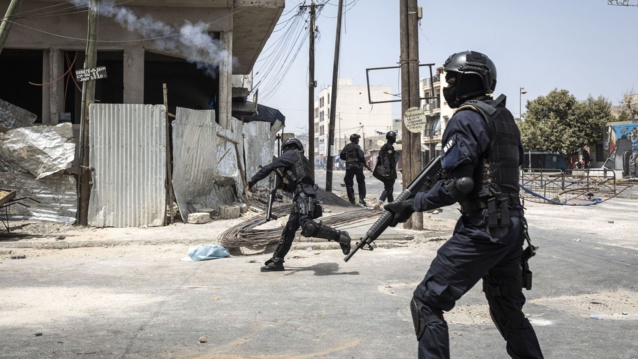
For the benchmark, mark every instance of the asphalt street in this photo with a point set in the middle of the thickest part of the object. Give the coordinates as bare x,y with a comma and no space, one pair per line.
142,301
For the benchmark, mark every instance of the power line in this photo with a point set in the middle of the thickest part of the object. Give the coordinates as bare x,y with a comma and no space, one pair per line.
623,2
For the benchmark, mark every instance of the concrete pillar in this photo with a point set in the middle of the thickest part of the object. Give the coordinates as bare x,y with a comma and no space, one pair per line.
56,89
226,81
46,78
134,75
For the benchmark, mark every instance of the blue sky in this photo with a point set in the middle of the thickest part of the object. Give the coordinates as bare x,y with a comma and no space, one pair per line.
584,46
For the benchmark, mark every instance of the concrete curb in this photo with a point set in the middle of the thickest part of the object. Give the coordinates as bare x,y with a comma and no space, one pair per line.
389,240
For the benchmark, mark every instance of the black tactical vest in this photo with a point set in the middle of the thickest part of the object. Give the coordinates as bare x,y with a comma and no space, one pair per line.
352,155
500,172
298,174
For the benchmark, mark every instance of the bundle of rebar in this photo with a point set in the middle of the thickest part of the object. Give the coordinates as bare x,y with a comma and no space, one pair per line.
246,235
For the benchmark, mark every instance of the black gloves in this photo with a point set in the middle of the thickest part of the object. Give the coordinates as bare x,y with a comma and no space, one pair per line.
401,211
251,184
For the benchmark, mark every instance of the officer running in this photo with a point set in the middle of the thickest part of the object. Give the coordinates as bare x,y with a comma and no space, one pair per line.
355,161
295,170
481,155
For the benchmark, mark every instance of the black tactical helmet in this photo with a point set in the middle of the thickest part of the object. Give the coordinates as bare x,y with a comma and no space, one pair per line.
469,74
355,137
292,143
391,136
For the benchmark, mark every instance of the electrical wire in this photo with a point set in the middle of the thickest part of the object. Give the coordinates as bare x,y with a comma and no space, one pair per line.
279,57
178,33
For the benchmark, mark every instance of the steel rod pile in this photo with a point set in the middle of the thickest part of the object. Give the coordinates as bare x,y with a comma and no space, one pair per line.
246,235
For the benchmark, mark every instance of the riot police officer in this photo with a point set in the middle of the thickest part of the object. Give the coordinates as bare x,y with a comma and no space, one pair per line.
355,161
295,171
387,157
481,155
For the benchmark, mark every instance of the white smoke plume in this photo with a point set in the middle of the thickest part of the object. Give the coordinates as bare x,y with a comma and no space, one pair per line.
190,41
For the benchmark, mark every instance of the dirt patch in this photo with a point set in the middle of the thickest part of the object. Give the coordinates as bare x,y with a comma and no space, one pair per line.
620,305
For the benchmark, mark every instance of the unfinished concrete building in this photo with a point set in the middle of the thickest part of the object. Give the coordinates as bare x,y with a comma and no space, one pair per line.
196,47
203,51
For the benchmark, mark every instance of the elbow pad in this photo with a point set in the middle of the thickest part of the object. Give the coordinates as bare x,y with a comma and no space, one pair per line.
459,188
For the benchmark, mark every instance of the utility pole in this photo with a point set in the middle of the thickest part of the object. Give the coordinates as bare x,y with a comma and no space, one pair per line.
88,96
333,102
7,21
412,159
311,85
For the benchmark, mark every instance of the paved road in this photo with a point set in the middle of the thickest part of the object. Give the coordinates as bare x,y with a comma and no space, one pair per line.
143,302
374,187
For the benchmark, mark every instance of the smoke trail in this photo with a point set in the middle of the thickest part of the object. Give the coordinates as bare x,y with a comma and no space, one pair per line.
191,40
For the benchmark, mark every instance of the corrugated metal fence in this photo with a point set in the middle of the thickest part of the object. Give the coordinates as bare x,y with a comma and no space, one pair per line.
128,160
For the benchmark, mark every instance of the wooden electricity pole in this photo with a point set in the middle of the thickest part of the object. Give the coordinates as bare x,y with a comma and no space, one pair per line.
311,85
88,96
333,102
411,153
7,21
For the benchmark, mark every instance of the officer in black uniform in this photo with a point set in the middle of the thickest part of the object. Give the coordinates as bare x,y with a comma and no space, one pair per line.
295,170
481,155
387,157
355,161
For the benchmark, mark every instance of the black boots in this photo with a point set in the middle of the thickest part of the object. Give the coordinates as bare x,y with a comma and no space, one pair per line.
363,202
273,265
344,241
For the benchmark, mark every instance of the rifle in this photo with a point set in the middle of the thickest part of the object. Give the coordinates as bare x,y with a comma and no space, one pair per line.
425,180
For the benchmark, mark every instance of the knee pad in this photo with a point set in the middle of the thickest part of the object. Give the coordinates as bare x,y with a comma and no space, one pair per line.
422,315
506,322
309,228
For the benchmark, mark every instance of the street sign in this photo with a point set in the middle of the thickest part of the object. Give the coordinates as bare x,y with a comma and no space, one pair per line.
91,74
414,120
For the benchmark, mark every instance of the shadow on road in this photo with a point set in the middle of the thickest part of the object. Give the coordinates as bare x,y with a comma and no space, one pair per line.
320,269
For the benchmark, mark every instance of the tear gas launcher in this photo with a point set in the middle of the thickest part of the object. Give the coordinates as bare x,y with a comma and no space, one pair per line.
424,181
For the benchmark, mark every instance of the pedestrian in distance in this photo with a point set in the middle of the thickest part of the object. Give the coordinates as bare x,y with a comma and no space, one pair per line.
296,177
387,157
481,155
355,162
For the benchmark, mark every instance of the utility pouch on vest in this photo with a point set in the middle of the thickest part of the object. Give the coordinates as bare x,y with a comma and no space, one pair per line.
498,213
317,211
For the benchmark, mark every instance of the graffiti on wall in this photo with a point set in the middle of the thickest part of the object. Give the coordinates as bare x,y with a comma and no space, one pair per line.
622,145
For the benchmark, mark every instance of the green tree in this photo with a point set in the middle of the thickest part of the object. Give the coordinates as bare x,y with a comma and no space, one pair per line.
629,107
560,123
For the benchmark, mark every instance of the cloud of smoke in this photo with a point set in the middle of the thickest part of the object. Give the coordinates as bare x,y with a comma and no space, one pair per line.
190,41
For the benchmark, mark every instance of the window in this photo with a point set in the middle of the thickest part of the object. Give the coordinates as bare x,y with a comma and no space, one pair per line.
321,131
436,127
321,116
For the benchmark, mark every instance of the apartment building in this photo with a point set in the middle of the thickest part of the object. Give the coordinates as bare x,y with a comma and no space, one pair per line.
354,114
437,113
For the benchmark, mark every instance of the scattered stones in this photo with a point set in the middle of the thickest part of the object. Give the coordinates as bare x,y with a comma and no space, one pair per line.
199,217
229,212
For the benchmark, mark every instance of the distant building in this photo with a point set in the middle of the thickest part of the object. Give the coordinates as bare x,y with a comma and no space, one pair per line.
437,113
354,114
628,107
